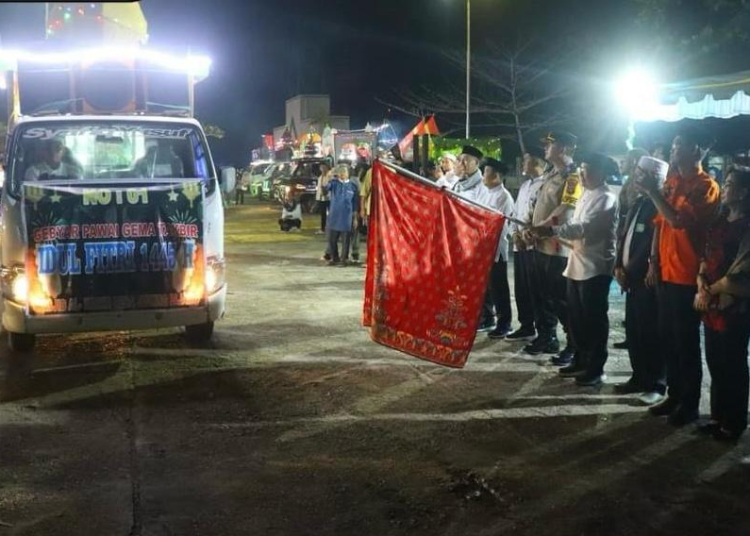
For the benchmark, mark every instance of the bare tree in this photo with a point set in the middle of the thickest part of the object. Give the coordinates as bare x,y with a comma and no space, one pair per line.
513,94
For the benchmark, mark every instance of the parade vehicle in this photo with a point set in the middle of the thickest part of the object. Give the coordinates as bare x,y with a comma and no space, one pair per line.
303,181
112,215
266,189
253,175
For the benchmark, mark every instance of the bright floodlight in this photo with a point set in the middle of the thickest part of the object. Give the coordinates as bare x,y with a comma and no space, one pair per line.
637,92
198,66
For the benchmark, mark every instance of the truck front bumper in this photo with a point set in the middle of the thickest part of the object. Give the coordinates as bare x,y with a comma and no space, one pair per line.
16,319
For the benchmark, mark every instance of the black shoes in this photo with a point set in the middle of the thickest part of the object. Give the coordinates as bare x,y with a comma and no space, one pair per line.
709,428
715,430
564,358
629,387
727,436
621,345
663,408
500,332
681,417
486,325
542,346
572,371
590,380
522,334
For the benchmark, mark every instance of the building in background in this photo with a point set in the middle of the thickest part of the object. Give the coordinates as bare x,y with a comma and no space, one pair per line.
307,114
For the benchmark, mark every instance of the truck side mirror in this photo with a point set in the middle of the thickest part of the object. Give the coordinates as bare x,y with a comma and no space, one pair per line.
228,179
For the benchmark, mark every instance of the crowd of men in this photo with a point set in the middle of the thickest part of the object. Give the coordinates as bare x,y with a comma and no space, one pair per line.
676,243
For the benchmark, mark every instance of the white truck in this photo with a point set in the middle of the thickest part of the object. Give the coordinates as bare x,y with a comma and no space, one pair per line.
111,222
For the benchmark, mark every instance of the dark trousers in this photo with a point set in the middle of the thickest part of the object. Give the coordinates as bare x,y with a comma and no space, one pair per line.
323,213
549,288
497,299
522,287
354,241
333,244
726,356
679,334
588,303
287,224
642,333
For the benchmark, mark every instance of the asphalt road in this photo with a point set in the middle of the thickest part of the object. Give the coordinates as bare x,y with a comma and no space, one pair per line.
292,422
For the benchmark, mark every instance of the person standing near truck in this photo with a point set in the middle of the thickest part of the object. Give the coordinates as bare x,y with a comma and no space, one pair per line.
321,196
344,207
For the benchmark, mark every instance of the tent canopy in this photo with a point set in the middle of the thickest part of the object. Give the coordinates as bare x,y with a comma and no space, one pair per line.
721,97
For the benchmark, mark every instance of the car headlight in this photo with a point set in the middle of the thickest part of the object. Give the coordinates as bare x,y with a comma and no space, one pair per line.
300,187
215,275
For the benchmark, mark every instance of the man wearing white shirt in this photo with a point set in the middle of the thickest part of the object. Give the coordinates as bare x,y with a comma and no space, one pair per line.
591,233
534,165
492,194
448,166
468,184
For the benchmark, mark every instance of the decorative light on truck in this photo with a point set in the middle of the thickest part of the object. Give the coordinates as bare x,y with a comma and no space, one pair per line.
197,66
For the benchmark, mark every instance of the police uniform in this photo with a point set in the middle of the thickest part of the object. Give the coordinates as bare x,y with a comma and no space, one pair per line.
561,187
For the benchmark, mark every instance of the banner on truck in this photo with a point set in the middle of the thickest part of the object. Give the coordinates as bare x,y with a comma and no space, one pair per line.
114,249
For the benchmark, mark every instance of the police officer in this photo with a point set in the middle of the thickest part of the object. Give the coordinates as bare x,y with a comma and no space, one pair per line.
554,206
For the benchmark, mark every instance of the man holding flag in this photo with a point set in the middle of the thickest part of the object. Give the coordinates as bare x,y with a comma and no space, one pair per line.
468,186
494,195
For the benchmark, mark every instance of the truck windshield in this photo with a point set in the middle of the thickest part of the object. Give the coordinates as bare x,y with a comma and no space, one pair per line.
95,151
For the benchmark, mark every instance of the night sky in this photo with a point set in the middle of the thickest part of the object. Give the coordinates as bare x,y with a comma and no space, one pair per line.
267,51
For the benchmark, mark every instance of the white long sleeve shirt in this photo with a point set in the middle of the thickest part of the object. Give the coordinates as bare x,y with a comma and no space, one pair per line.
524,208
468,187
498,198
592,231
448,180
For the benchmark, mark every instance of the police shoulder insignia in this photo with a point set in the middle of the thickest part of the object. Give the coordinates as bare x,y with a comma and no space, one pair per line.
572,182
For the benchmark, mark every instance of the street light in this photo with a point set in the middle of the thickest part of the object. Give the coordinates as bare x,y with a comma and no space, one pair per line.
468,65
637,92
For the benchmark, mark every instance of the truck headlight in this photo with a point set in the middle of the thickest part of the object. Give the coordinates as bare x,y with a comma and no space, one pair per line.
15,284
19,288
215,275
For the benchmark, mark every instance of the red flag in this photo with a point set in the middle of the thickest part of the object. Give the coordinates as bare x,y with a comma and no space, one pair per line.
429,256
423,128
430,127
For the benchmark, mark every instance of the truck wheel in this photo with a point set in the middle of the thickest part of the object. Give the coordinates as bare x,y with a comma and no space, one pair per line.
21,342
199,333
